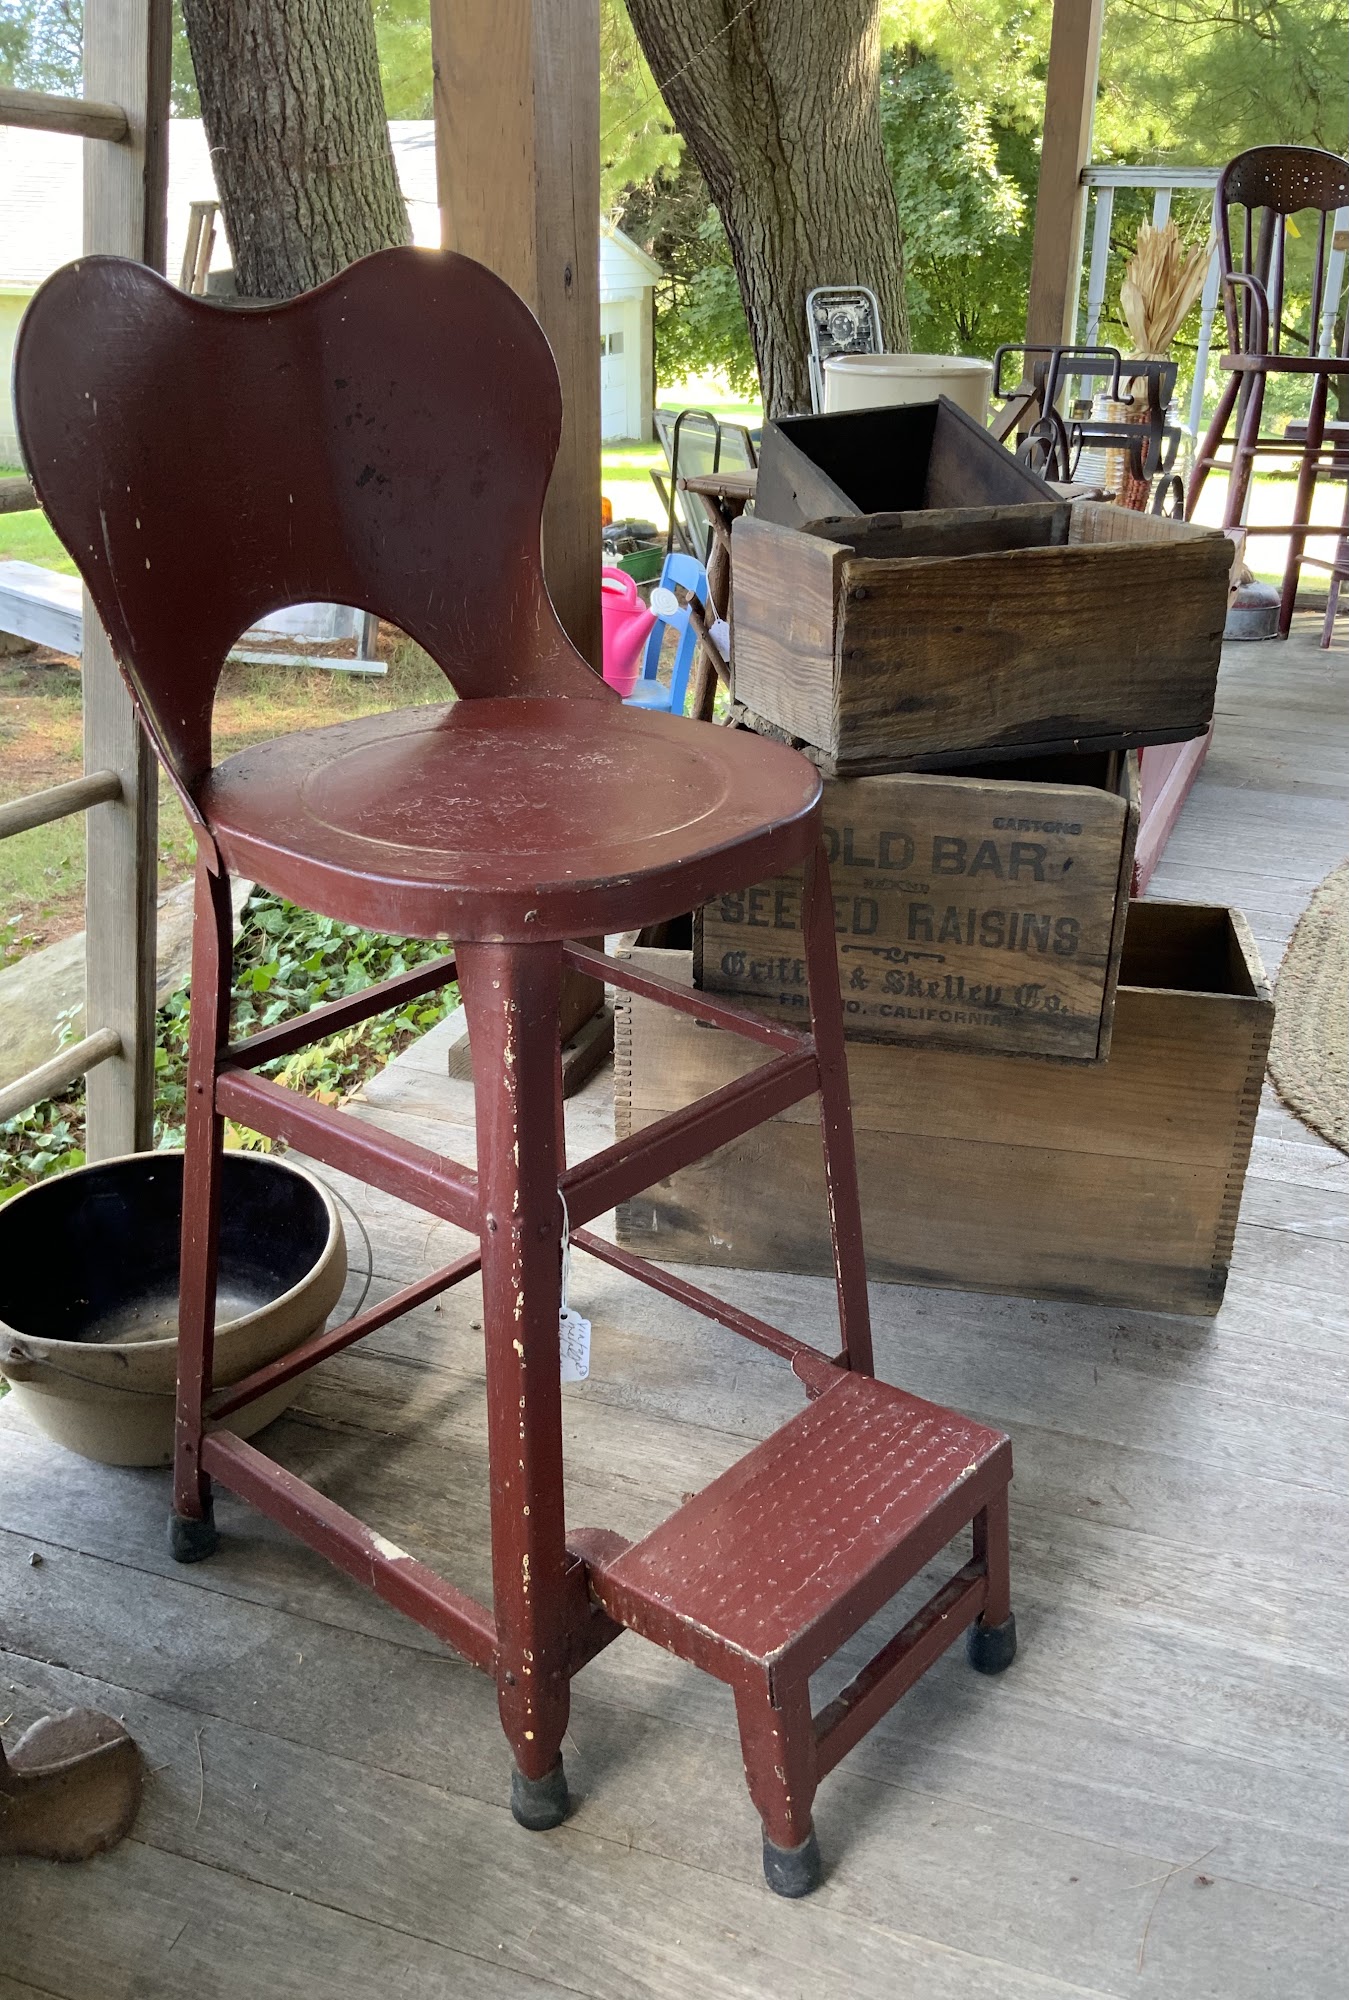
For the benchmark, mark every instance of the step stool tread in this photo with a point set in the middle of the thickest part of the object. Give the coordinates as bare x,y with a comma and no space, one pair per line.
795,1528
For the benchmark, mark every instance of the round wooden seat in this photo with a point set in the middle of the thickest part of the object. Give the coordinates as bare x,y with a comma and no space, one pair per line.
517,819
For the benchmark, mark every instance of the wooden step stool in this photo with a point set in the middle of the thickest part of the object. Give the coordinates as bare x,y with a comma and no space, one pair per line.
767,1573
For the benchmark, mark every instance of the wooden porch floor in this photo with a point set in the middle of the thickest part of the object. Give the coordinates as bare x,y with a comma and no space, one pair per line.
1152,1803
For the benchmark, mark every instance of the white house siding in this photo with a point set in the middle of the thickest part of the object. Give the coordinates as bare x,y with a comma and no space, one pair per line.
41,228
628,369
12,306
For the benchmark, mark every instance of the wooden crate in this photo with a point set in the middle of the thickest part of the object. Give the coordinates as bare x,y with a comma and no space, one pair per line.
1118,1184
914,455
982,912
907,642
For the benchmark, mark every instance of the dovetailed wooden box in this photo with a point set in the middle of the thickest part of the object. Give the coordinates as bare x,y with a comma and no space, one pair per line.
918,640
976,912
1118,1184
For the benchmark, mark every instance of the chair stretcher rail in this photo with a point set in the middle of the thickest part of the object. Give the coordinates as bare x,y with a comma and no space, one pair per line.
716,1012
288,1036
662,1148
808,1364
225,1401
412,1173
408,1585
899,1664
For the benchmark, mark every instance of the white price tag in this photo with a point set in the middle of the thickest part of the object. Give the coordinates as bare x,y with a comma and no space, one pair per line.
574,1335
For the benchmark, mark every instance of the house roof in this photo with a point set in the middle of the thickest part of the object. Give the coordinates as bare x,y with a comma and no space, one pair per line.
624,247
41,202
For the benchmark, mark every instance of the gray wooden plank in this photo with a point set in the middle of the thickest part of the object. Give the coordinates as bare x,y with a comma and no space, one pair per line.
1312,1168
1014,1751
1180,1514
143,1924
598,1914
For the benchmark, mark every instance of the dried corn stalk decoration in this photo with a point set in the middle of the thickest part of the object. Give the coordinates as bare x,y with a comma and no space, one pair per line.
1161,282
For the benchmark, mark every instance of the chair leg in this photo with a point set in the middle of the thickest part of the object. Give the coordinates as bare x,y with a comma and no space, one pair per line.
991,1642
192,1534
1302,506
1212,444
836,1130
778,1747
1251,408
511,995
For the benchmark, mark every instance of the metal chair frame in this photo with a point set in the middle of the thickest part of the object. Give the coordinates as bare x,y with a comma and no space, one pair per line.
387,441
1270,185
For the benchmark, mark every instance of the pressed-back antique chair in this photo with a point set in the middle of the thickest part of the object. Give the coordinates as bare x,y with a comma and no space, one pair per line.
1268,187
386,442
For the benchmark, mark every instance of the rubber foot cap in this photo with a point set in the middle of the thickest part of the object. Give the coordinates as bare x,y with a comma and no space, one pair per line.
540,1803
192,1541
991,1649
792,1871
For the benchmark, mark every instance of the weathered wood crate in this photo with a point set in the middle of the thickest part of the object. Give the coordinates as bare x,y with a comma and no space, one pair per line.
910,641
979,912
914,455
1118,1184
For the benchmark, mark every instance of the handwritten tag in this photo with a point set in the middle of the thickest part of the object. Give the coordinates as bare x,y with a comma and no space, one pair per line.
574,1336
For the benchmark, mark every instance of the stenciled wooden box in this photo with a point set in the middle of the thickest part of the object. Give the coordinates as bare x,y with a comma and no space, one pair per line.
1117,1184
922,640
981,912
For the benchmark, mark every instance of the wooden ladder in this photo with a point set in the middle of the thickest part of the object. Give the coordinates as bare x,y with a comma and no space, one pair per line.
123,119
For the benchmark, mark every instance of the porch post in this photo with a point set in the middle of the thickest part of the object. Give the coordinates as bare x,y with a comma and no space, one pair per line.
1060,205
126,62
517,158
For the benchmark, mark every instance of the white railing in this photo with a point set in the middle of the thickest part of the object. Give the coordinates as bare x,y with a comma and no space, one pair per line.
1102,183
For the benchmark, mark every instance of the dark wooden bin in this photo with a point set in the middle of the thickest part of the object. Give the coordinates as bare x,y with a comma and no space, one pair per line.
1118,1184
895,460
917,640
973,911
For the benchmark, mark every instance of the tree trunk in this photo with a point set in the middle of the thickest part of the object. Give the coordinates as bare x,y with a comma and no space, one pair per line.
294,115
780,105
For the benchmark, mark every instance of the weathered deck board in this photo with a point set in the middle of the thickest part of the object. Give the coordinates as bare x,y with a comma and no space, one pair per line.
1151,1803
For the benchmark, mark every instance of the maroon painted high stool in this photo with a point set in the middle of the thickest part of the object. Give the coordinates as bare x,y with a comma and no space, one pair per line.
386,442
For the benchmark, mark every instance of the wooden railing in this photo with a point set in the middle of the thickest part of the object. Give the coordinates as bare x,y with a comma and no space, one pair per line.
123,118
80,115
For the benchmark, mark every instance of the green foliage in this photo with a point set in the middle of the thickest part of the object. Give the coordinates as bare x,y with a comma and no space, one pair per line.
1195,81
995,51
286,960
183,99
963,208
403,38
637,140
42,45
700,320
42,48
45,1140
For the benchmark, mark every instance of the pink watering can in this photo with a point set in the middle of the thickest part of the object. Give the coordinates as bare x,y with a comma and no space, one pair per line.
626,624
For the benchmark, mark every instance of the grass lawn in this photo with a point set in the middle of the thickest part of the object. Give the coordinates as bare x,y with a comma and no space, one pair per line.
626,467
42,871
1272,498
27,538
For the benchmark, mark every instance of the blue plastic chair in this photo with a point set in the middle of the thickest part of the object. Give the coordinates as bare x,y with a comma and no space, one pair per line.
685,573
